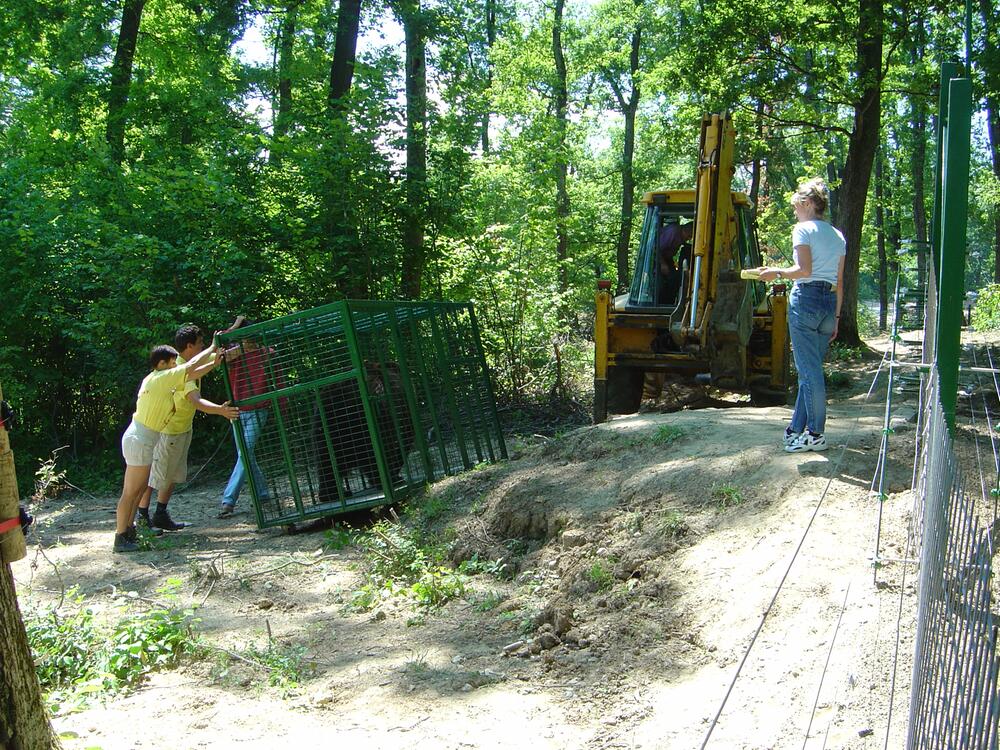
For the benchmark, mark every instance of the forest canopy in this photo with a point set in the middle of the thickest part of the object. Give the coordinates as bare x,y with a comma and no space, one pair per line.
153,173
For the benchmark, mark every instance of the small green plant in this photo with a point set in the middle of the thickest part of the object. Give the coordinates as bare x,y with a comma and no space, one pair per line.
49,479
666,434
337,538
839,352
474,566
399,560
489,601
286,665
671,523
727,496
600,574
837,379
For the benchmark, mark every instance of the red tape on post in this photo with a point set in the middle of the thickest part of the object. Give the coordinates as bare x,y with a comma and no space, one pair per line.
10,525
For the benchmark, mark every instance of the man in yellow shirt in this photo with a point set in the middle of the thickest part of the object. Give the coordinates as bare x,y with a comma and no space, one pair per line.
171,452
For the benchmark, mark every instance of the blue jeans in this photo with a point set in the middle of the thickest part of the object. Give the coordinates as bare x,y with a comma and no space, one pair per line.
812,313
251,424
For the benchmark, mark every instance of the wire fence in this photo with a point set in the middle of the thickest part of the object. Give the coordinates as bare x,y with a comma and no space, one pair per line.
954,699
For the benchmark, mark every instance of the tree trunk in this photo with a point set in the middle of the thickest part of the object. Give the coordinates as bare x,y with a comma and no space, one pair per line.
918,125
560,103
628,108
990,63
860,155
283,112
24,724
416,148
344,53
121,78
883,287
491,38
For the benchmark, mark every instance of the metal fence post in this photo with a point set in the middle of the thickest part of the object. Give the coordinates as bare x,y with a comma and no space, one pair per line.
954,220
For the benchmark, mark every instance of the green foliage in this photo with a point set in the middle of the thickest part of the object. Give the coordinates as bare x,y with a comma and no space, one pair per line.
286,666
601,575
837,378
475,566
398,560
76,658
218,209
986,313
49,479
338,538
839,352
727,496
666,434
671,524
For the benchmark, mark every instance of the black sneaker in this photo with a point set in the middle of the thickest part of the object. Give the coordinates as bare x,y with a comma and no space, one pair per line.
26,520
162,520
143,520
123,542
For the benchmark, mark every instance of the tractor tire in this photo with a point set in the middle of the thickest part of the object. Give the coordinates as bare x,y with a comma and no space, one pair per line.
624,390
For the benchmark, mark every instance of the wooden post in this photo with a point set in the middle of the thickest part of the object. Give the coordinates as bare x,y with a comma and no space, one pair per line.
24,724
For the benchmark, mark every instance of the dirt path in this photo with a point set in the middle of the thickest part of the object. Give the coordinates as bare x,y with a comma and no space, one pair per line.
647,549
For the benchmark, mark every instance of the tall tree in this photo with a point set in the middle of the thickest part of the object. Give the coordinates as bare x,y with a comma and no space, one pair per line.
412,17
286,50
618,37
918,152
560,101
862,144
344,53
121,78
989,61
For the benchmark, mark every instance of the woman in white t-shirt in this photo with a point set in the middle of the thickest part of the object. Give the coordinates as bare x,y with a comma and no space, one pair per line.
813,310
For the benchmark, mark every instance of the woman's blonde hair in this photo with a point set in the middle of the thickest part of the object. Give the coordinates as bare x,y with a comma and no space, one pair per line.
814,191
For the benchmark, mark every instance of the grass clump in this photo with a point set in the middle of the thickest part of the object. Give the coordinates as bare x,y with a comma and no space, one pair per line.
601,575
727,496
666,434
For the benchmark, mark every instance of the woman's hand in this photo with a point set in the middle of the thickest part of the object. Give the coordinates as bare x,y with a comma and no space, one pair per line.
767,273
836,328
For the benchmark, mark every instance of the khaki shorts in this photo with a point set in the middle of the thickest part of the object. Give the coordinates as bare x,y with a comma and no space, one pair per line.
138,443
170,459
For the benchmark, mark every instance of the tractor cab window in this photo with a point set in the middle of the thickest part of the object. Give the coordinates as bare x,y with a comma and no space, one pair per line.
663,258
749,249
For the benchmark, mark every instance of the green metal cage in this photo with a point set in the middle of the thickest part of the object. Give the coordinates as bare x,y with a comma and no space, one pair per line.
357,404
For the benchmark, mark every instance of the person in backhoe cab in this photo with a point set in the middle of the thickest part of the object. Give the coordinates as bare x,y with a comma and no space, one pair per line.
814,305
672,238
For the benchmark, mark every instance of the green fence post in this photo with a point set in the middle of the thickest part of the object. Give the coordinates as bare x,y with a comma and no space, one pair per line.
949,70
954,221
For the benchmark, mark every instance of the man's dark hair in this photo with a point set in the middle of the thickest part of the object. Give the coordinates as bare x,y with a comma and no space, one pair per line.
161,353
188,334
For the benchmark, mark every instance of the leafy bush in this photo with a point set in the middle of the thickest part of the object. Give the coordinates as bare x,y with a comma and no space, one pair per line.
601,575
398,560
986,313
75,657
727,496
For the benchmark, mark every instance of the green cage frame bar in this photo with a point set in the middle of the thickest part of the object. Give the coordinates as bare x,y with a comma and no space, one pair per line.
357,404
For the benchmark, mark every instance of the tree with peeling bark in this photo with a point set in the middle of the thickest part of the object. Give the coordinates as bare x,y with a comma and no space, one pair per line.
24,725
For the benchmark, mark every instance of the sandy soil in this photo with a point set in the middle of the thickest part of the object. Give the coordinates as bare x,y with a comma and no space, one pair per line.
697,527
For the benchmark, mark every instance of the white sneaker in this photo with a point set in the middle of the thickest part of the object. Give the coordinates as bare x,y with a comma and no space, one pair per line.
789,438
806,442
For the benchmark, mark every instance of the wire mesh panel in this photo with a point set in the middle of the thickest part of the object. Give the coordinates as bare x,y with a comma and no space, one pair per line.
357,404
954,699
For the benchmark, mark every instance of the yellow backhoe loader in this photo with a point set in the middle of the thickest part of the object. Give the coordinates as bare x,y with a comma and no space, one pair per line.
699,313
